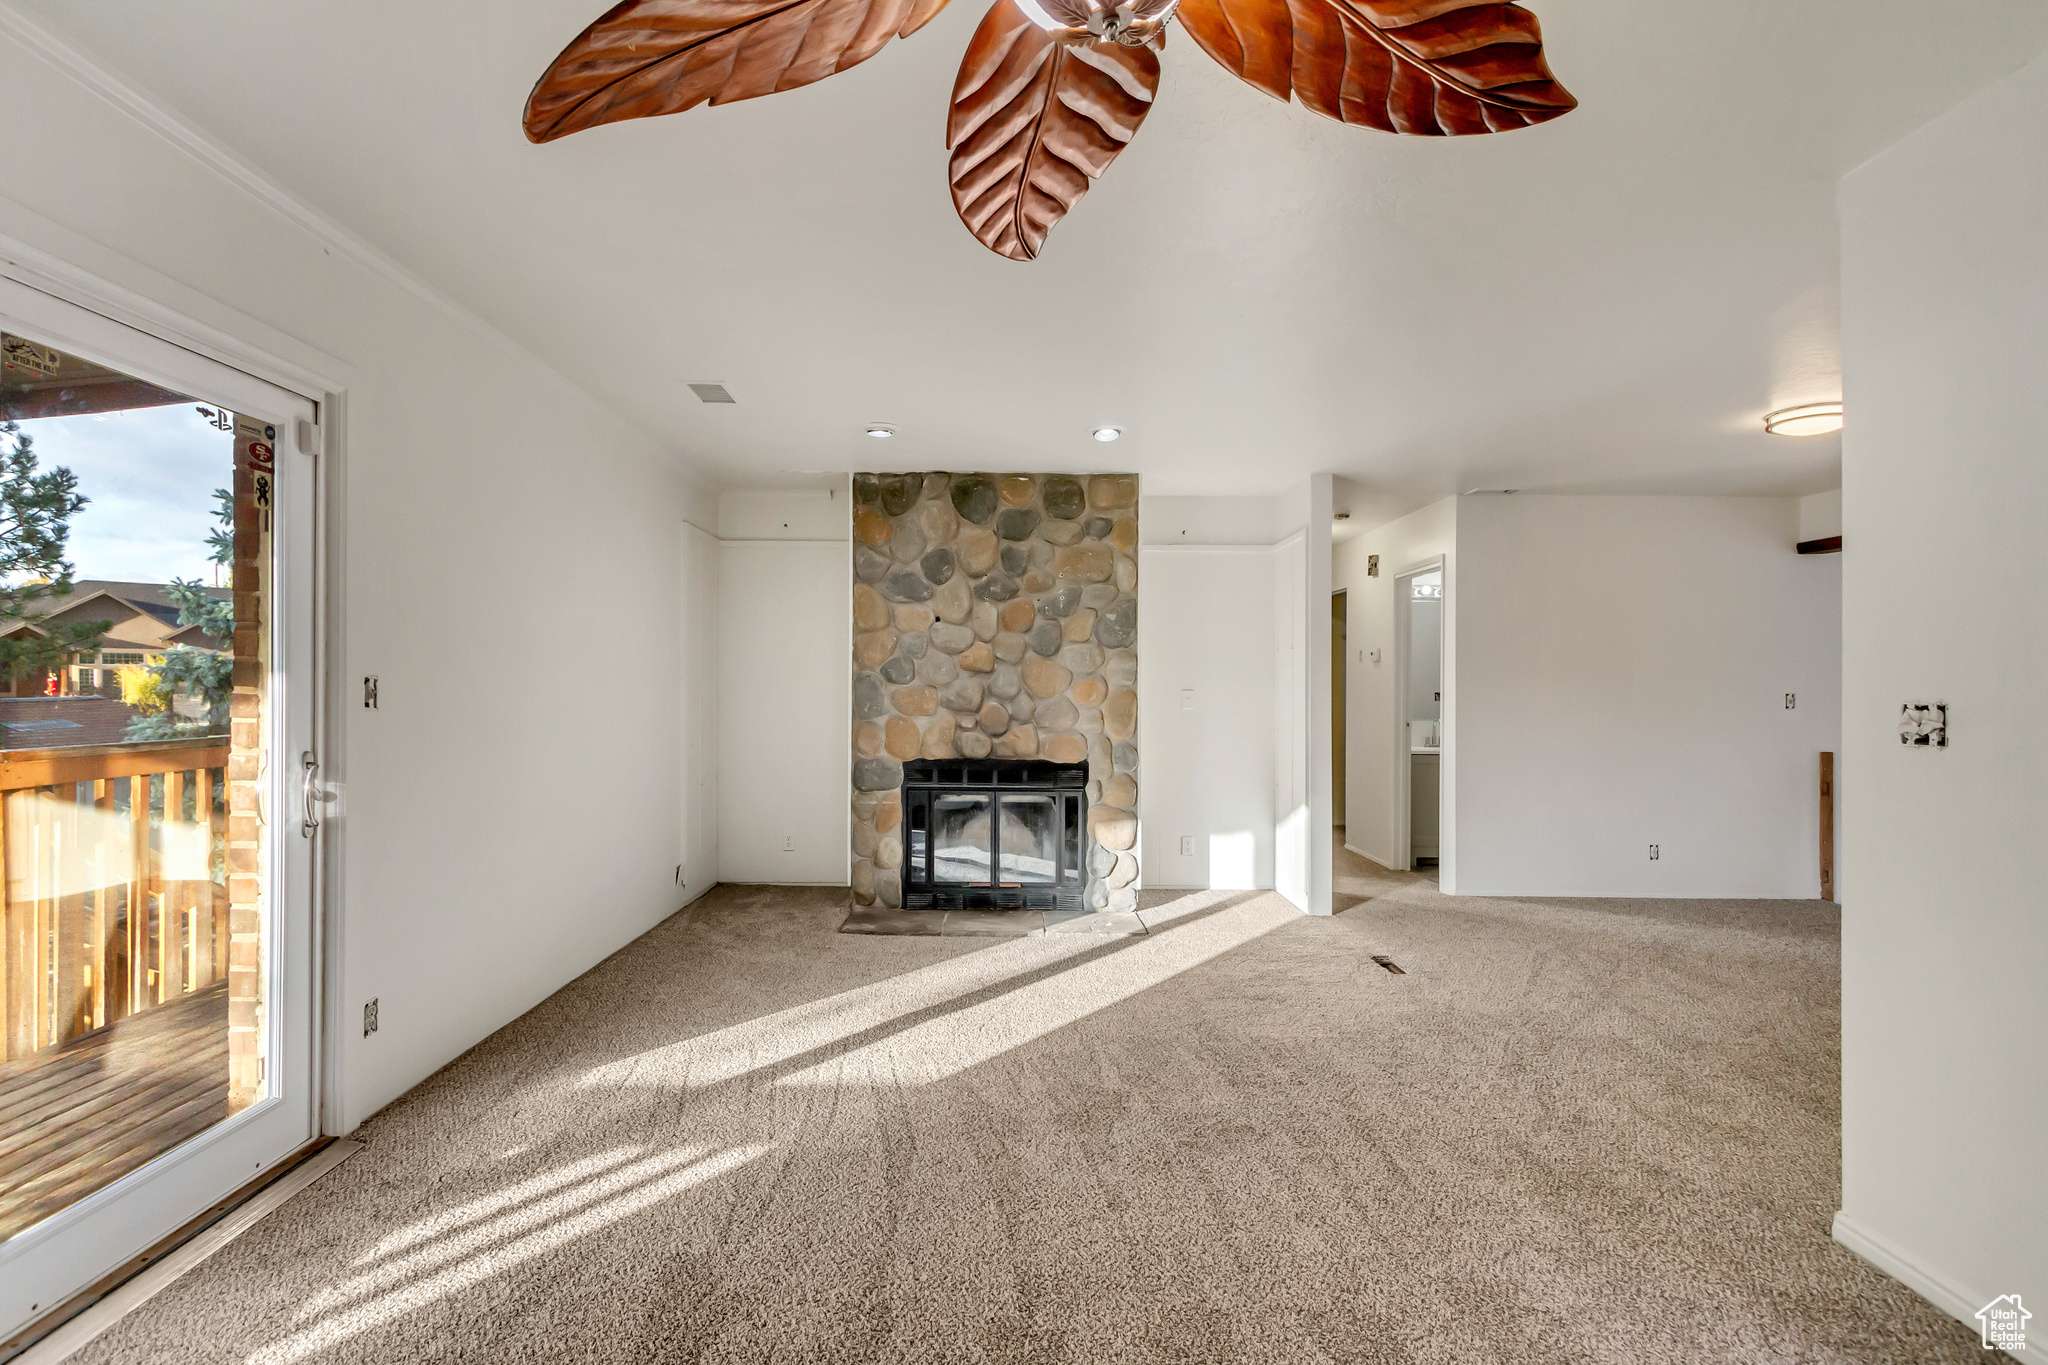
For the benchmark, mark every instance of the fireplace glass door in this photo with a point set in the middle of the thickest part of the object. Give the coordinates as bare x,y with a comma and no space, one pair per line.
1028,840
960,840
1000,834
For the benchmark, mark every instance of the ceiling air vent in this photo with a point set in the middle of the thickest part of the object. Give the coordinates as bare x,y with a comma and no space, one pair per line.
712,393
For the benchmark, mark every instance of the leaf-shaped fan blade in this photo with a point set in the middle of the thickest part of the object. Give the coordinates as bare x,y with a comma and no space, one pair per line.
648,57
1404,66
1033,121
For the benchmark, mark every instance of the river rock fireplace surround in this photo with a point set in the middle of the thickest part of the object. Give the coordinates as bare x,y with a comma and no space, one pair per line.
995,705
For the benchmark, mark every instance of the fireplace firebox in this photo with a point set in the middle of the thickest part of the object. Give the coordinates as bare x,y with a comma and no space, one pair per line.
994,834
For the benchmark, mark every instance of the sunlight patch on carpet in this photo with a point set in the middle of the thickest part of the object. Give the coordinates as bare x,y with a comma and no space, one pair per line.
458,1261
936,1049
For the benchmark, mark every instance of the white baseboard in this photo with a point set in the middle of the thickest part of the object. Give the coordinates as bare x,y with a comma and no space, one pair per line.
1930,1284
1350,847
74,1335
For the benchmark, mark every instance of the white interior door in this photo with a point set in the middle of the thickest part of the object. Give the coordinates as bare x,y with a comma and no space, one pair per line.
229,829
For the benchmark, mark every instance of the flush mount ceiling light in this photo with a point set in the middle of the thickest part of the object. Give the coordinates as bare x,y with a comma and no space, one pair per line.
1810,419
880,432
1108,433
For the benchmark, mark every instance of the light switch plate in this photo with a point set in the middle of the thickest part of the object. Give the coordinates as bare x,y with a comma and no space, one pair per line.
1187,699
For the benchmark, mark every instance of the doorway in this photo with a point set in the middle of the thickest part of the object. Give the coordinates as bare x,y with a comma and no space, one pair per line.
1421,711
156,904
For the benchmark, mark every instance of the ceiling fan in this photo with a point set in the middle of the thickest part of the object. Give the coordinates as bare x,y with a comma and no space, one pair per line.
1051,90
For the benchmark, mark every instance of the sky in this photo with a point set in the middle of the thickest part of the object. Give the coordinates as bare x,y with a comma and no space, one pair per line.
149,475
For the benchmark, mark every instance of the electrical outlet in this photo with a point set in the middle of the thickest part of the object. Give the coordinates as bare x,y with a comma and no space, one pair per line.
789,843
370,693
1187,845
370,1017
1791,701
1654,853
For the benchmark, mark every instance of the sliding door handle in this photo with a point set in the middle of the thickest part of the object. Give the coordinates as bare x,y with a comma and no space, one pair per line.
310,768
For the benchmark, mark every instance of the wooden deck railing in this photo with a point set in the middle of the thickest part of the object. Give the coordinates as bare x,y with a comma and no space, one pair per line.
113,862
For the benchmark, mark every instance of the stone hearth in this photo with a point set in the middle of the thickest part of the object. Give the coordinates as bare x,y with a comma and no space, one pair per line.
995,616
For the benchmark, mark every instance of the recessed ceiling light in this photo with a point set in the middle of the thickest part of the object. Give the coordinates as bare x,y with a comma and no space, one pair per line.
1108,433
1811,419
880,432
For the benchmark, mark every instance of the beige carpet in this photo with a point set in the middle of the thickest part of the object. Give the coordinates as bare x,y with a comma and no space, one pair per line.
1572,1131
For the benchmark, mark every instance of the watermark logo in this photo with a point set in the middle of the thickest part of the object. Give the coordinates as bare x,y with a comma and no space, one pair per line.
2005,1323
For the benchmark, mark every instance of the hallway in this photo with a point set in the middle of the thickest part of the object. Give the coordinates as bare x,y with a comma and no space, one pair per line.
1569,1131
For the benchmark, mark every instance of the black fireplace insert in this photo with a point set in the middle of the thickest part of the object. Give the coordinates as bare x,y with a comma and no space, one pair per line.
994,834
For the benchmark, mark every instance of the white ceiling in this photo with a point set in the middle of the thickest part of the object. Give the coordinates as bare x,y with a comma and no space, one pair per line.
1607,302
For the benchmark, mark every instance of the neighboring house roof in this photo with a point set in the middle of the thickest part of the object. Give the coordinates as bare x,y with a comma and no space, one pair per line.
140,616
152,597
62,722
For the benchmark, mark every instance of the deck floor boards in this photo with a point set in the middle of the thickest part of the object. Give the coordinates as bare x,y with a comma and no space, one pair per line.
77,1118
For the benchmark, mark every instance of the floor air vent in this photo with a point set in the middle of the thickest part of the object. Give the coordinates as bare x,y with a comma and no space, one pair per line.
1388,963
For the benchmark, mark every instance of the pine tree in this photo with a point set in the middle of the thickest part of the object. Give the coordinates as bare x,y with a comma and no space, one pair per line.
220,541
36,507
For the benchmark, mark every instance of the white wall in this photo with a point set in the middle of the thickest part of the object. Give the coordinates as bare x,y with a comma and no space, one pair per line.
1622,664
785,689
1373,820
1302,787
1212,521
1314,633
1205,626
1820,515
1945,497
822,513
698,816
509,568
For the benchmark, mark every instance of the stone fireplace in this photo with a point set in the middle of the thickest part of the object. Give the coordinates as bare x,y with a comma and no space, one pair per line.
995,704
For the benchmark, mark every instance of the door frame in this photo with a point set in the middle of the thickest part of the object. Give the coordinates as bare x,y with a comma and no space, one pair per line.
1404,844
1340,709
245,345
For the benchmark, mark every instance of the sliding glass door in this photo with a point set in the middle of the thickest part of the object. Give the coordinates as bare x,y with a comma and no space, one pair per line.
156,849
